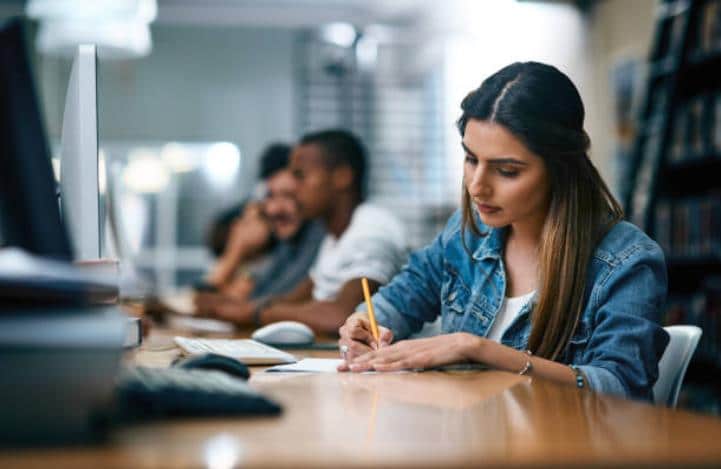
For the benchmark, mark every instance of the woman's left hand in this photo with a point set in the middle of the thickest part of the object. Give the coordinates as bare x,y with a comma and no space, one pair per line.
419,353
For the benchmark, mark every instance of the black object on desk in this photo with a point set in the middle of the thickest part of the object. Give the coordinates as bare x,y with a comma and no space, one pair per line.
213,361
172,392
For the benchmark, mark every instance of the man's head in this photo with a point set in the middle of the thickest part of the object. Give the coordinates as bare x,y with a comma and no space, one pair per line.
285,220
274,158
326,165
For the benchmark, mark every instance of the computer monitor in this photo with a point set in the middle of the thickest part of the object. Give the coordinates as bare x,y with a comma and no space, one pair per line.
29,212
79,187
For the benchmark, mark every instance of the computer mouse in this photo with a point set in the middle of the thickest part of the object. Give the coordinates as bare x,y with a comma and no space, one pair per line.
285,333
213,361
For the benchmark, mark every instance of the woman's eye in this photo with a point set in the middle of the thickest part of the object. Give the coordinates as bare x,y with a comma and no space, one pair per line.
509,173
471,159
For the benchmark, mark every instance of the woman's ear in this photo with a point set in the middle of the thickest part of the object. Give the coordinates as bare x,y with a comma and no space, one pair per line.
342,178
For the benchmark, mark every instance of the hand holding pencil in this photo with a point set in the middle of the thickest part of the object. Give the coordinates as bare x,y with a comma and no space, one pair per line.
371,313
361,333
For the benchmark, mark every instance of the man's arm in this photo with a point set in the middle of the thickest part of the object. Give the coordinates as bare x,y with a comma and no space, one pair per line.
241,311
301,293
322,316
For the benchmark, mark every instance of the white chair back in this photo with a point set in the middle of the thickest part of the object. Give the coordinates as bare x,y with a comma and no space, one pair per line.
674,362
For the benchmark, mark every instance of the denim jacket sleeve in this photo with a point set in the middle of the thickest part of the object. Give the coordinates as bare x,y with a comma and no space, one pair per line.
626,340
413,296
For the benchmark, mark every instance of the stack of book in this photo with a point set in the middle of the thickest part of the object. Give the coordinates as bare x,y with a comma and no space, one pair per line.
60,350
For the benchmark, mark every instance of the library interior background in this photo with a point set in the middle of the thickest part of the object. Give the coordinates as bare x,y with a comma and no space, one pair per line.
183,121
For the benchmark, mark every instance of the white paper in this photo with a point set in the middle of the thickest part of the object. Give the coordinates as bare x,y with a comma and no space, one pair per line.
311,365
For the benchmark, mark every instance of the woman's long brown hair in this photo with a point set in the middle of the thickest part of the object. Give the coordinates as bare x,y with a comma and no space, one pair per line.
542,108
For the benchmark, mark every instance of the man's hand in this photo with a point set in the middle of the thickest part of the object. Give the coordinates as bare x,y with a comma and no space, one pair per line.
224,307
239,288
249,233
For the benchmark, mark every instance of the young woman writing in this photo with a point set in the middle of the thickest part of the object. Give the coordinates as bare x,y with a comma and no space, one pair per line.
537,271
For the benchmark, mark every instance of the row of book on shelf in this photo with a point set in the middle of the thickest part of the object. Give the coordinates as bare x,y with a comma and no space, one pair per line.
702,309
707,37
697,121
709,31
697,128
689,227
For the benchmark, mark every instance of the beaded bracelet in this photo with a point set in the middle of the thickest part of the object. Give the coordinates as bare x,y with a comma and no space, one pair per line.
580,379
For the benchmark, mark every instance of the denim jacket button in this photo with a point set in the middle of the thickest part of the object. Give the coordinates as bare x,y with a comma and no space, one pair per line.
452,296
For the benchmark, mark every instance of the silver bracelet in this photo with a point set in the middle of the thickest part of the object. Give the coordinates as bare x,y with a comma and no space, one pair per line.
529,366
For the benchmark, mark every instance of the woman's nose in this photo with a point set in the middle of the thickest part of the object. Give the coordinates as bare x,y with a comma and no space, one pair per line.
479,186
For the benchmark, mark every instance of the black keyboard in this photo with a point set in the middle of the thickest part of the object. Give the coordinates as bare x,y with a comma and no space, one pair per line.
164,392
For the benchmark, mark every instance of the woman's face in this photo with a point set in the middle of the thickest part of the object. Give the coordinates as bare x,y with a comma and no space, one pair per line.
507,183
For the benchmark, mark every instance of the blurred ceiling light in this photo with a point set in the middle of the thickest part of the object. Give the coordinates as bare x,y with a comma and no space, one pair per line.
114,40
119,28
102,171
55,161
145,172
340,34
141,10
134,219
178,158
221,163
366,52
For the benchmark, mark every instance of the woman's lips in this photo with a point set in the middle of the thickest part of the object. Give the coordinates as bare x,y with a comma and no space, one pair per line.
487,209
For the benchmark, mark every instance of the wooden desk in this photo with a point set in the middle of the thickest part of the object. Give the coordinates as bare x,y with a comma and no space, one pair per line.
432,419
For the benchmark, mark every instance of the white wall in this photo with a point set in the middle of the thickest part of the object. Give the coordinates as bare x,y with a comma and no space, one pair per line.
618,29
225,83
481,37
200,84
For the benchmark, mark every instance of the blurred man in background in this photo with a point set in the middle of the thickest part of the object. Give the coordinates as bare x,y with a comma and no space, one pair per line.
362,240
269,247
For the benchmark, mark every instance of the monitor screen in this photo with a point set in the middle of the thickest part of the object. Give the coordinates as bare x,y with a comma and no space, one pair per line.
29,211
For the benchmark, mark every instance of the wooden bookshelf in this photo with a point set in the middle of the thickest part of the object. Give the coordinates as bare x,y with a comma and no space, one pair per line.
675,170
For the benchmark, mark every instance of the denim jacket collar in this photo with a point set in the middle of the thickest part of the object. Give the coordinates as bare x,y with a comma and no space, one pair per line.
492,246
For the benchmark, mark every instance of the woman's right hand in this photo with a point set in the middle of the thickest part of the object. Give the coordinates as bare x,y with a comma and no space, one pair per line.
357,339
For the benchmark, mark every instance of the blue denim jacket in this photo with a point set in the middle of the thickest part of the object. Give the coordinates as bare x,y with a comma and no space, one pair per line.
618,341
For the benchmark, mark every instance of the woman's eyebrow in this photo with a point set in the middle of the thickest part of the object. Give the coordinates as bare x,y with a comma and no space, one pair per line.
495,160
468,150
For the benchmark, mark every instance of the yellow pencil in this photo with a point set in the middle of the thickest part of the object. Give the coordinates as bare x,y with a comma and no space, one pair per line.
371,314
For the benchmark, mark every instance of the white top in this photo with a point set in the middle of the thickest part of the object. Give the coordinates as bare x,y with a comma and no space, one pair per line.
373,246
509,311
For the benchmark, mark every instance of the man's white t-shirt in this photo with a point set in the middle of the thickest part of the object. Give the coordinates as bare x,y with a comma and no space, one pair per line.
373,246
